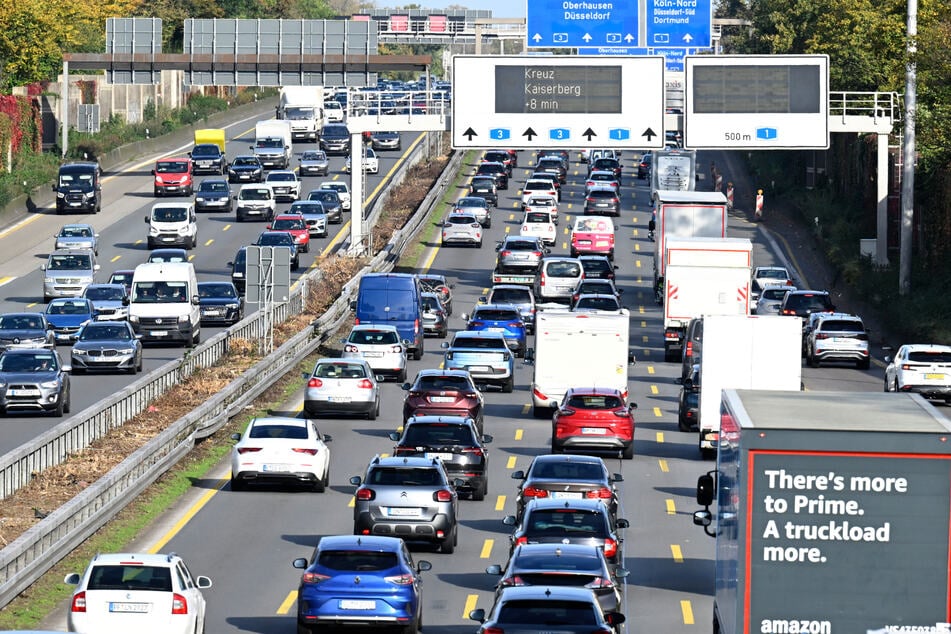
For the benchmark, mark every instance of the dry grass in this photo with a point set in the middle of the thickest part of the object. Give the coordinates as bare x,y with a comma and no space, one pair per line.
52,488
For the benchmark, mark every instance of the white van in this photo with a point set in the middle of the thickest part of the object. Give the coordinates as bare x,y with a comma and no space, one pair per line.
172,224
164,302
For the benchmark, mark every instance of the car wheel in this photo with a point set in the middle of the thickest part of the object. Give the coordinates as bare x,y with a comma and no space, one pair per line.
628,453
60,407
401,377
556,448
238,484
449,545
509,385
138,368
864,364
488,224
374,411
318,486
68,404
443,333
479,494
813,361
681,425
418,354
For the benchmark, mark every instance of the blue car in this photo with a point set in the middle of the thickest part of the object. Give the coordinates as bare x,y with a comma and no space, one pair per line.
67,315
109,301
504,318
363,580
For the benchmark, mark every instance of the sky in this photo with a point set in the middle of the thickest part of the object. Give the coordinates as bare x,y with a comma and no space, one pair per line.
499,8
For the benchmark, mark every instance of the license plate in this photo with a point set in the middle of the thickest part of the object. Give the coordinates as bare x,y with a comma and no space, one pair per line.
479,368
373,355
934,377
402,512
129,607
353,604
212,311
566,495
24,392
441,399
584,241
495,329
441,456
339,399
159,333
276,468
601,431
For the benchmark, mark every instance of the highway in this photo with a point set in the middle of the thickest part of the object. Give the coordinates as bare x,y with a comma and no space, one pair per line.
245,541
127,198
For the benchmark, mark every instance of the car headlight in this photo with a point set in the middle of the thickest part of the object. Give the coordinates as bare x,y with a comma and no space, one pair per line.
79,352
182,231
134,319
199,199
49,280
234,306
3,385
182,319
60,195
126,350
89,194
50,385
153,231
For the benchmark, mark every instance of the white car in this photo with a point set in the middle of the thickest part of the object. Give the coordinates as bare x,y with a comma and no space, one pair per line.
536,186
137,592
462,228
284,184
381,346
764,275
924,368
771,298
543,202
281,449
342,189
371,163
539,224
333,111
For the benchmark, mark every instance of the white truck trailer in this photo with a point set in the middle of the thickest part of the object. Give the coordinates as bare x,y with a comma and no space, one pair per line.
577,349
689,214
273,144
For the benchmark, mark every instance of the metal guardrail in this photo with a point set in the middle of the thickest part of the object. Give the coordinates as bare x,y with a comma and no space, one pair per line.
875,105
28,557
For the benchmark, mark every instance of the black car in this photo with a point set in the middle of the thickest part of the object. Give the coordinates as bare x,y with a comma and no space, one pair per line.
693,347
239,268
568,521
498,171
330,199
552,165
572,565
335,139
79,187
804,303
214,194
485,187
245,169
688,409
546,609
603,201
606,164
280,239
454,440
567,477
219,303
499,156
598,266
644,165
207,158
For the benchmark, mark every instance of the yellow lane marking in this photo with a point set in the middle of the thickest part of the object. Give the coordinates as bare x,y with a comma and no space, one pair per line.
659,437
32,304
191,257
663,465
511,216
671,509
676,553
645,338
640,309
115,258
643,324
518,434
226,227
637,247
637,263
510,464
650,369
500,503
210,241
654,389
487,548
137,242
352,502
657,412
471,601
525,408
687,611
187,517
287,603
6,280
508,229
566,231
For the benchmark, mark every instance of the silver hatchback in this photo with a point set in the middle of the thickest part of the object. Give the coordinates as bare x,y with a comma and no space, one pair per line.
380,346
342,386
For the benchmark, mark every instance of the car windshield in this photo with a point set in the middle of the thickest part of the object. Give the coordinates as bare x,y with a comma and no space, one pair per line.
337,187
775,274
205,150
120,278
404,476
276,239
307,207
442,383
213,187
71,262
271,142
808,302
283,177
159,292
495,314
544,612
565,520
74,180
20,322
129,577
340,370
459,219
930,356
595,401
567,470
325,196
841,325
288,224
537,185
356,560
374,337
168,256
441,434
112,293
245,161
217,290
105,332
313,156
597,303
596,266
75,232
774,293
270,430
258,193
170,214
511,296
538,217
40,362
602,193
171,167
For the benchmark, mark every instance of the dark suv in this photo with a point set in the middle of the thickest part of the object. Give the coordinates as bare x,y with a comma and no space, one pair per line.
496,170
78,187
804,303
454,440
577,521
693,346
335,139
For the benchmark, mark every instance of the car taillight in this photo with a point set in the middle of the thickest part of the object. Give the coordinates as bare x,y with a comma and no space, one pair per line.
604,493
179,604
600,582
356,321
566,412
79,602
475,451
351,348
306,450
399,580
475,225
404,451
444,290
537,254
244,450
589,199
515,324
524,227
476,324
821,335
396,349
505,254
610,547
365,384
787,311
521,540
493,630
365,495
533,492
443,495
315,382
622,412
512,581
688,352
313,578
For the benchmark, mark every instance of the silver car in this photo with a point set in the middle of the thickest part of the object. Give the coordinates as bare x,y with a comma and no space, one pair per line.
26,330
484,355
475,205
33,379
461,228
77,236
342,386
68,273
771,298
520,253
107,345
314,217
407,496
380,346
314,162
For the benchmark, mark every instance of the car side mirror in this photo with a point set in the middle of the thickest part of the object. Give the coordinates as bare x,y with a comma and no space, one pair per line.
356,481
196,300
632,406
703,518
72,579
477,615
95,267
353,304
887,359
300,563
614,619
487,438
444,345
529,355
67,368
394,436
621,573
494,569
146,220
705,485
422,565
518,475
405,387
509,520
622,523
153,172
617,477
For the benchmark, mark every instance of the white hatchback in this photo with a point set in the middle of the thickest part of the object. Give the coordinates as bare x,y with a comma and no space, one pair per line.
461,228
137,592
539,224
380,346
280,449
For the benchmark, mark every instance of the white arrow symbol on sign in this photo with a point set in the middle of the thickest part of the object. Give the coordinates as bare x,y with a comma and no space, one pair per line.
687,37
628,38
586,37
536,37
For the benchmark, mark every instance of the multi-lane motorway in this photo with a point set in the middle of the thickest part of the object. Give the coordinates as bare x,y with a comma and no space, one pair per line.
246,540
127,197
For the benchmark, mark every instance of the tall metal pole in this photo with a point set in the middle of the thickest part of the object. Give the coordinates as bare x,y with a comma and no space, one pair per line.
64,115
908,152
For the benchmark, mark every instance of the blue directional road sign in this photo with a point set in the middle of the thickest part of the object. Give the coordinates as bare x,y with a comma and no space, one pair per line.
673,58
549,24
679,24
614,50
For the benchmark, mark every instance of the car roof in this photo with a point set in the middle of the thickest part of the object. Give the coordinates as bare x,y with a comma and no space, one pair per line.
372,326
595,390
547,593
341,360
556,550
481,307
441,372
404,461
479,334
445,420
923,347
103,285
551,457
146,559
279,420
360,542
839,316
24,314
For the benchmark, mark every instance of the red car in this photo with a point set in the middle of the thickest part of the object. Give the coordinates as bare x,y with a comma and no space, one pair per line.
443,393
295,225
594,418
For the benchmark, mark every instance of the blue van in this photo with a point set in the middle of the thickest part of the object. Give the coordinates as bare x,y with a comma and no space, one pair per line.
393,298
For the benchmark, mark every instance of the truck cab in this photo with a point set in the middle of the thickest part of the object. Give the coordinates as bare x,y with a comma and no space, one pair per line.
79,187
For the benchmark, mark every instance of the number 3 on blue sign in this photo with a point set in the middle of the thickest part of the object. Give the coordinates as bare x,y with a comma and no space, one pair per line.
559,134
499,133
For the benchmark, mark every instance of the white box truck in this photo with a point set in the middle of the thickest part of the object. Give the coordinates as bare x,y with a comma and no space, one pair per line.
749,353
273,144
685,215
577,349
705,276
674,170
303,107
